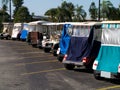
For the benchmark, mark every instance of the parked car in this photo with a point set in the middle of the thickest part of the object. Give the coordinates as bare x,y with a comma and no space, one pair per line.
107,63
7,31
83,46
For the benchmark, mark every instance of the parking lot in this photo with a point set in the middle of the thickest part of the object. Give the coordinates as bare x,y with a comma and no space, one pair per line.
23,67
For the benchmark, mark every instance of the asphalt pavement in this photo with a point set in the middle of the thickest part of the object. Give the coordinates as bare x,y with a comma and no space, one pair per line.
23,67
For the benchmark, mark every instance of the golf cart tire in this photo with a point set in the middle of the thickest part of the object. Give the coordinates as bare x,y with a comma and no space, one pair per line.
56,46
54,53
8,37
34,45
97,75
60,58
40,47
47,50
69,66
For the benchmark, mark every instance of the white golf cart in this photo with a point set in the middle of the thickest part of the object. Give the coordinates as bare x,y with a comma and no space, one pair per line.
7,31
54,32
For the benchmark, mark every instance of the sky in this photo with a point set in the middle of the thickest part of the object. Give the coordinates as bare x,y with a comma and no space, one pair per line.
39,7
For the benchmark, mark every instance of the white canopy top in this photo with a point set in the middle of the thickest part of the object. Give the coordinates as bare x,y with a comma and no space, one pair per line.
36,22
53,23
17,24
110,22
84,23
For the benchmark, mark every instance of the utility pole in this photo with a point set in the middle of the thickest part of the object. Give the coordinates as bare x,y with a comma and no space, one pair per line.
10,10
99,12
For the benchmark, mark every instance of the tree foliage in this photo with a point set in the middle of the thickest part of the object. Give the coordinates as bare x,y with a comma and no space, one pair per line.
67,12
17,4
22,15
109,12
52,13
4,16
80,14
93,11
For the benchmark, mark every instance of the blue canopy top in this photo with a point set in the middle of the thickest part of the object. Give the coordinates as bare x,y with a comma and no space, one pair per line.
24,34
65,39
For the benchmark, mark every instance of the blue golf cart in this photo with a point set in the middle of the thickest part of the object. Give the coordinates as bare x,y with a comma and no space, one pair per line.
82,45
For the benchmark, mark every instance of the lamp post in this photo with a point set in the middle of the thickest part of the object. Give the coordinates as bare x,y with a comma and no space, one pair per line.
99,11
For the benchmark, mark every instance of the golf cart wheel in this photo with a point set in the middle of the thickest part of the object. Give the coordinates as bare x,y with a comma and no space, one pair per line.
34,45
54,53
8,38
89,66
97,75
47,50
60,58
69,66
55,48
40,47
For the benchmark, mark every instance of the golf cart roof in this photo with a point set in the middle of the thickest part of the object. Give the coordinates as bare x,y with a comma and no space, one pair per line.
110,22
36,22
17,24
84,23
53,23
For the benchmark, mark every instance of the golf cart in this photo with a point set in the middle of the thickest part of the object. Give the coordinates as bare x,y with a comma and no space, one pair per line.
54,32
83,45
35,35
107,63
7,31
16,32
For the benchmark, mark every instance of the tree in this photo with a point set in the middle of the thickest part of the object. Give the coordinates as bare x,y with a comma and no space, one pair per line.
106,6
68,11
80,13
22,15
17,4
93,11
118,12
4,16
52,13
65,12
5,2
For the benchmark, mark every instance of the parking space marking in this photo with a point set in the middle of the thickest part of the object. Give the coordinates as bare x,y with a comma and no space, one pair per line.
25,48
44,71
31,53
31,57
108,88
48,61
21,47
